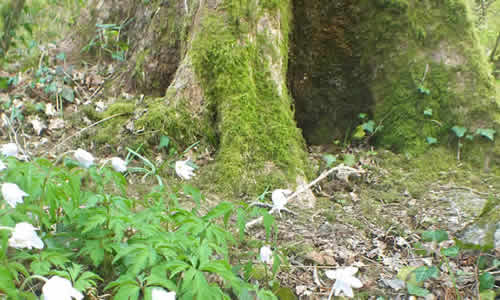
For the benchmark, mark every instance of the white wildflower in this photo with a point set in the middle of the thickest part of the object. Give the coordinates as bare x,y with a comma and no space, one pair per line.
84,158
161,294
184,170
266,255
118,164
59,288
344,281
12,194
279,198
9,149
24,236
2,166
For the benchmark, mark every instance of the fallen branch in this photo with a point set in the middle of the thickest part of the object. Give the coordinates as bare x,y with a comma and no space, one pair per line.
343,172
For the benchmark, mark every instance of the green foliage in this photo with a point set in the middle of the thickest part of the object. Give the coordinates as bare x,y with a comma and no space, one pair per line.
99,239
415,276
108,41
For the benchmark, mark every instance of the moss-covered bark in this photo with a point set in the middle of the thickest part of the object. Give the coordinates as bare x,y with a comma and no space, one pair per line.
393,60
219,69
228,90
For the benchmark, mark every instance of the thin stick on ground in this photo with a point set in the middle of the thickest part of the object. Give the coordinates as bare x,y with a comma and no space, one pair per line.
84,129
344,171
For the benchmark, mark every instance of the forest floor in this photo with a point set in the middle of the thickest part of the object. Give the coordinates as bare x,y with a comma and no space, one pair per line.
375,221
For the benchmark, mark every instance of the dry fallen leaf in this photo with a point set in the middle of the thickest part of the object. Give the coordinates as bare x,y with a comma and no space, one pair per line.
38,125
56,124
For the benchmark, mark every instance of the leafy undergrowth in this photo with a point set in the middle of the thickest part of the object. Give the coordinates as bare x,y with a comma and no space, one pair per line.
90,232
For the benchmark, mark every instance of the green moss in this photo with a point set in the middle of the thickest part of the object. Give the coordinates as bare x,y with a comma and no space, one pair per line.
259,143
440,53
177,122
110,131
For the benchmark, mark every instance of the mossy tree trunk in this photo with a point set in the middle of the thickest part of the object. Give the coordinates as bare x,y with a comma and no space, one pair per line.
217,71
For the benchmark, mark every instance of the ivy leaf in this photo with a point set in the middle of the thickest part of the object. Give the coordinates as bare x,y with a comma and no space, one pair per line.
423,273
329,159
430,140
459,131
436,236
487,133
164,142
417,291
68,94
428,112
369,126
451,251
486,281
349,160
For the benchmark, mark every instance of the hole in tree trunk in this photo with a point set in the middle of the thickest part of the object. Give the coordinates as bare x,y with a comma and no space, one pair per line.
326,76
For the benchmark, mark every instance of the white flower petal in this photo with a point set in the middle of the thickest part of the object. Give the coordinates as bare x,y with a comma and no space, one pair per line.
118,164
58,288
266,254
24,236
279,198
184,170
2,166
12,194
344,280
341,286
84,158
9,149
161,294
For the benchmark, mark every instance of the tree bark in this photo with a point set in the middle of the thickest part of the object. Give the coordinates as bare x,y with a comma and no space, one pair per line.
218,72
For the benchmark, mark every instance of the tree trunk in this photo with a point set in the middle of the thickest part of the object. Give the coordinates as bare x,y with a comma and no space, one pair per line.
218,71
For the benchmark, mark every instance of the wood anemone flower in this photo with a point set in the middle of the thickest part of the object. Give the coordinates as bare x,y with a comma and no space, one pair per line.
344,281
84,158
24,236
118,164
9,149
160,294
59,288
183,170
266,255
12,194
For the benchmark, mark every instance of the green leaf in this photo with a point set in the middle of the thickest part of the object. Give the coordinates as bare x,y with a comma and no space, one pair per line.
486,281
451,251
128,291
68,94
487,295
61,56
40,267
459,131
417,291
436,236
423,273
268,223
362,116
428,112
329,159
194,192
164,142
369,126
241,220
349,160
430,140
359,133
487,133
220,210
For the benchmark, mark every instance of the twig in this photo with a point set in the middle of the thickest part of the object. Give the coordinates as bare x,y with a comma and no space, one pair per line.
340,168
84,129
